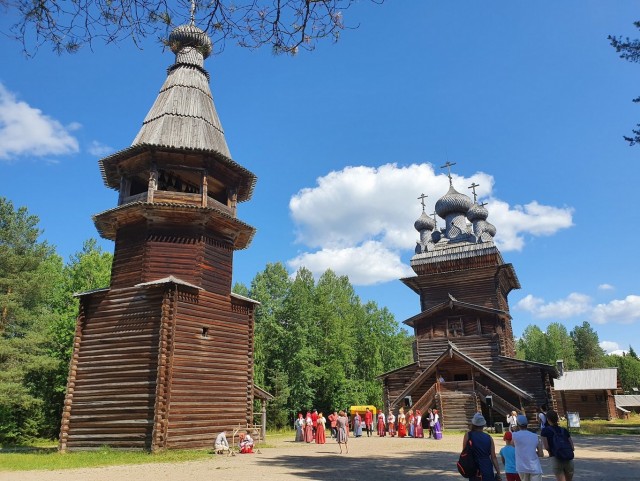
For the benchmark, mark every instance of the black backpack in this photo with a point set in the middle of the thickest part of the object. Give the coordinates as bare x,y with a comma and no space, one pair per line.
467,464
561,446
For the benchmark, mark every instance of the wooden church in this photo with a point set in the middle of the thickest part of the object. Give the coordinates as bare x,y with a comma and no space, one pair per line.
464,349
163,357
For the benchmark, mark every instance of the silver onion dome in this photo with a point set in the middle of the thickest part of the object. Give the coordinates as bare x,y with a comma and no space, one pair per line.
453,202
424,222
186,36
477,212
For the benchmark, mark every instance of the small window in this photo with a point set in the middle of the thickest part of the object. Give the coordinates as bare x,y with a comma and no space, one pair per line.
599,398
455,327
205,332
583,399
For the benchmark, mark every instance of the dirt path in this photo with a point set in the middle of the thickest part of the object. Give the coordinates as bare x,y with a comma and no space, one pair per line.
372,459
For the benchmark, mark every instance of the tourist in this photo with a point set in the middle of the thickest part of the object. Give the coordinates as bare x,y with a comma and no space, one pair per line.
542,416
437,429
299,425
357,425
308,428
411,423
391,420
341,431
511,421
418,432
402,424
483,448
528,451
321,435
381,424
221,444
508,456
333,419
368,422
430,420
561,457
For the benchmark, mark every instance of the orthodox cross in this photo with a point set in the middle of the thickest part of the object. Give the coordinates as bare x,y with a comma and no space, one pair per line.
435,219
483,204
193,12
473,186
422,198
448,166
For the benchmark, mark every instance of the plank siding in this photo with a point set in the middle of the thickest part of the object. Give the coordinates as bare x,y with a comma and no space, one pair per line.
128,257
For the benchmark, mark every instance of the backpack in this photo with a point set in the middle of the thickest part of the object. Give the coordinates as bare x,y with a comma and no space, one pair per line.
467,464
561,447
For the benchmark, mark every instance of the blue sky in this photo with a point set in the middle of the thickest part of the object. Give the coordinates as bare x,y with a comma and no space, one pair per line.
527,98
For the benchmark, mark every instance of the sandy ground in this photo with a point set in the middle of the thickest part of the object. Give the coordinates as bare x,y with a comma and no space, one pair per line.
373,459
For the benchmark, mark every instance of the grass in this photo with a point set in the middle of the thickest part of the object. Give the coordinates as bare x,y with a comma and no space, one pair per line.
37,457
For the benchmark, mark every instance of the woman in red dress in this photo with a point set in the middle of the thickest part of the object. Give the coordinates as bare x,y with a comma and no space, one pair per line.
308,428
321,435
402,424
392,424
381,429
419,432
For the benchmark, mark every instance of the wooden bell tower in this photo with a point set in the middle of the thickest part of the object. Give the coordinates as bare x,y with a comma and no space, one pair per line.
163,357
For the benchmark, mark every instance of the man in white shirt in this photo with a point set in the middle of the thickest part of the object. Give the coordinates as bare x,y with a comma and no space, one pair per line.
221,445
528,451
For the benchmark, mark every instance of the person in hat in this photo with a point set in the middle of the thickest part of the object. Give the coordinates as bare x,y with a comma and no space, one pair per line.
484,449
508,456
528,451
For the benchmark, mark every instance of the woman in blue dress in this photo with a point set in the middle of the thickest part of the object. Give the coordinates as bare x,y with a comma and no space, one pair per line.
357,425
484,450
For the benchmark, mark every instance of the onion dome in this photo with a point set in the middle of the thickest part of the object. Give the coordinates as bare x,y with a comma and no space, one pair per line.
477,212
453,202
186,37
424,222
490,229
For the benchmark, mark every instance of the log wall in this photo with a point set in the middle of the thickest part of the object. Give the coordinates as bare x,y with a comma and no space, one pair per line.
212,369
598,403
112,380
128,257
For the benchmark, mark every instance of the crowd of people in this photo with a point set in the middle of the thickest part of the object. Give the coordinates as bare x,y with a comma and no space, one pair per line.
311,427
523,448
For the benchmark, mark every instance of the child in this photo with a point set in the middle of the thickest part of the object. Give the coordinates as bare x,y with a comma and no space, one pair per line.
508,455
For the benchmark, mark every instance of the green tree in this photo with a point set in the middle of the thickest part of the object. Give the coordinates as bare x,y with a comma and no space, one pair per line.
534,345
589,354
632,353
628,371
27,371
286,25
561,345
629,50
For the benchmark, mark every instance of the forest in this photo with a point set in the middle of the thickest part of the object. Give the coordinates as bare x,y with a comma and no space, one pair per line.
317,344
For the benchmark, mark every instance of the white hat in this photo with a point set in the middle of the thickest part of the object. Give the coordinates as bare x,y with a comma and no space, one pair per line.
478,420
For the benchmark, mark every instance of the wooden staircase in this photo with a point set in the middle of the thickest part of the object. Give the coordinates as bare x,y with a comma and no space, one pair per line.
458,403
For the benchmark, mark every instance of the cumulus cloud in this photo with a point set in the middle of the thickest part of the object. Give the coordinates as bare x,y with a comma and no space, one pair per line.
610,347
623,311
356,262
25,130
351,210
606,287
574,304
99,150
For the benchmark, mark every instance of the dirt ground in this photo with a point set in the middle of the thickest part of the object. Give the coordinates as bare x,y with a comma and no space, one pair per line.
373,459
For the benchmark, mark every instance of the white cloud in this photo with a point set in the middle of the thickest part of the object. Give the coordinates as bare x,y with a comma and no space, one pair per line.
99,150
609,346
625,311
356,263
25,130
348,209
571,306
606,287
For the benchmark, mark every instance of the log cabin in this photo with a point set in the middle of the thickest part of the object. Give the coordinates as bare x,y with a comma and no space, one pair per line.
464,354
163,356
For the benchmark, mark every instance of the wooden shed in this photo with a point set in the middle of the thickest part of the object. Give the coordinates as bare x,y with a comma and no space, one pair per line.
163,357
590,392
464,356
